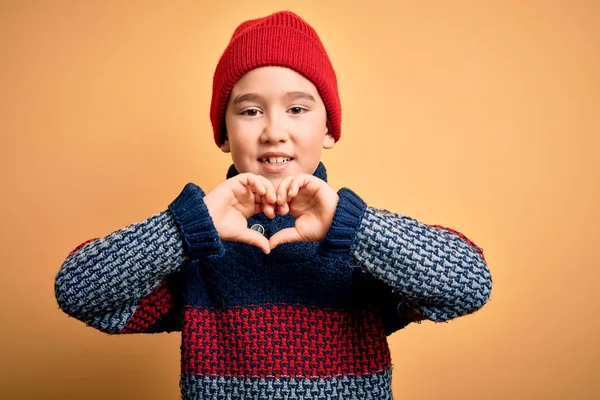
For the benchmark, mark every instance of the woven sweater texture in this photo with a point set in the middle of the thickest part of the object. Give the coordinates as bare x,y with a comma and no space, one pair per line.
308,321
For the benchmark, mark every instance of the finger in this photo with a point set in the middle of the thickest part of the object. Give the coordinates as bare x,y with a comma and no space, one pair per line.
269,210
267,200
270,195
258,204
282,190
287,235
283,209
258,185
254,238
253,183
299,182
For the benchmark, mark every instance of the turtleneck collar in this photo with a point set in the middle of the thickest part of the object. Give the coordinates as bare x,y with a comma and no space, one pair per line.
320,172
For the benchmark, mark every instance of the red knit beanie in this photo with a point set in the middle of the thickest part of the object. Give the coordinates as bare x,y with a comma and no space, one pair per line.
281,39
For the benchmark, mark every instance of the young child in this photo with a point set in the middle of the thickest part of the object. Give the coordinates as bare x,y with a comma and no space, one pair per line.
282,288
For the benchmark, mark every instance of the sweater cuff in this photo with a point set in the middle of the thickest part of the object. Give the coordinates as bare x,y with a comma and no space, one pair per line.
346,221
200,237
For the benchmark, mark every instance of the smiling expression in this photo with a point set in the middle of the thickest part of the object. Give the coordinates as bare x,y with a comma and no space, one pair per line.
276,124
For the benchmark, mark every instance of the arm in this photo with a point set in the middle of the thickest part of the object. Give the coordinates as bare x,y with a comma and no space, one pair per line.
129,281
435,272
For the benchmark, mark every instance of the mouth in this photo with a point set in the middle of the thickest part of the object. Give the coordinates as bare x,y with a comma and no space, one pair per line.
275,160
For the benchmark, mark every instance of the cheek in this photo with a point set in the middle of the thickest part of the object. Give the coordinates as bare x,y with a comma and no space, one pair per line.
312,136
244,128
318,126
239,147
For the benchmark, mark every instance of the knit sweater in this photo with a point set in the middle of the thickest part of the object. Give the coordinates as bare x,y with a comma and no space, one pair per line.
307,321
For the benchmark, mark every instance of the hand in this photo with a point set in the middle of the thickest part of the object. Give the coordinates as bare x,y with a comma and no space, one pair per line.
312,202
234,201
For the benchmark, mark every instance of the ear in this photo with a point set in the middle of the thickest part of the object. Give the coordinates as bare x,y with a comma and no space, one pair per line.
225,147
328,140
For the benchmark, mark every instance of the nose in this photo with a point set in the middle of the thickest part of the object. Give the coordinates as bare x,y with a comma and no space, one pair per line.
273,132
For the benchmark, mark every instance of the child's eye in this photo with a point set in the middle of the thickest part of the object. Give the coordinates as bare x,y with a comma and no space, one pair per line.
297,110
251,112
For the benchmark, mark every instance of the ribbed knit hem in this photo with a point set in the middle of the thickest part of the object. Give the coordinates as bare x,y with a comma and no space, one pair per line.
345,224
200,237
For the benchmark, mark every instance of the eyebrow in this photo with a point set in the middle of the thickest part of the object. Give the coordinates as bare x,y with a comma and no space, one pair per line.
300,95
289,95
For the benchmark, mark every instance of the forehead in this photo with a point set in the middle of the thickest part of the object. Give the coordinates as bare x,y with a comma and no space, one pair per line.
273,80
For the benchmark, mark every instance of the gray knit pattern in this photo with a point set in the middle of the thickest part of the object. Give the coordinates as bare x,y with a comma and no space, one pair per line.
101,283
367,387
437,272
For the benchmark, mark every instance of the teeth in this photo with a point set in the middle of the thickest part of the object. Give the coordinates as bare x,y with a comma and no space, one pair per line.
276,160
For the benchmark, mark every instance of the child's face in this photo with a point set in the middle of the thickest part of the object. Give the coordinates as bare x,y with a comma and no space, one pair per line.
276,124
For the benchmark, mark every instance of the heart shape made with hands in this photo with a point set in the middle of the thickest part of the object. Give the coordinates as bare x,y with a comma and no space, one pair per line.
310,200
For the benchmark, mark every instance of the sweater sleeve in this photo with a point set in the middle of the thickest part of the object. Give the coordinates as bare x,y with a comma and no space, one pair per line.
130,280
435,272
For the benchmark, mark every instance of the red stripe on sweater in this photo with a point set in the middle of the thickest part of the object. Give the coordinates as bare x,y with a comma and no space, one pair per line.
283,340
149,310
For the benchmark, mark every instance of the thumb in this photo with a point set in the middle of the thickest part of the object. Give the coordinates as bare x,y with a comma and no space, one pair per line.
287,235
254,238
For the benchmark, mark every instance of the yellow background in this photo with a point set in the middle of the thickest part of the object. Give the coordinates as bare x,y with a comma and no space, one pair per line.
477,115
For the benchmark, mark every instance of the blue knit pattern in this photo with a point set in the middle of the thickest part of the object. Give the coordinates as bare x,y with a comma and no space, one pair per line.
102,282
198,232
438,273
366,387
